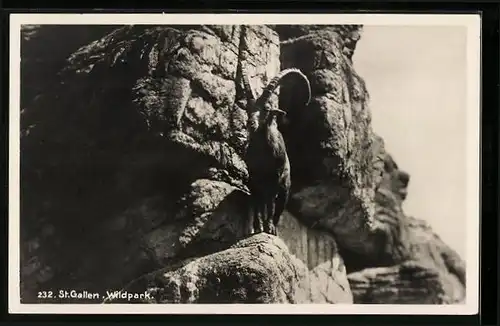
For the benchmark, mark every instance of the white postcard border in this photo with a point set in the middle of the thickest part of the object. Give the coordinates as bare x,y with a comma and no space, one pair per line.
471,21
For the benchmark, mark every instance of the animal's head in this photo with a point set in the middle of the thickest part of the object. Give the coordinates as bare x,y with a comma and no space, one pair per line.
261,107
271,115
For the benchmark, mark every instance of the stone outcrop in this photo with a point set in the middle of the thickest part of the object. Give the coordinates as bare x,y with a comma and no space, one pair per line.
433,272
132,169
408,283
259,269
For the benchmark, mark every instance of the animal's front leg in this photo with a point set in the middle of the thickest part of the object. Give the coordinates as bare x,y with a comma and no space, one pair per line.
259,217
250,218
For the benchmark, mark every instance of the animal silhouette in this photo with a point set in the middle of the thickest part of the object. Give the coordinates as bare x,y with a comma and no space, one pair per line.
266,156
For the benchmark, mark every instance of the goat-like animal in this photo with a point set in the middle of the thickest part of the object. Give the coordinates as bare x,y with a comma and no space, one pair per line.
266,156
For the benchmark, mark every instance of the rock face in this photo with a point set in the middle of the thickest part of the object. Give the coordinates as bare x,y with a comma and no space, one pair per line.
335,165
411,264
318,251
132,141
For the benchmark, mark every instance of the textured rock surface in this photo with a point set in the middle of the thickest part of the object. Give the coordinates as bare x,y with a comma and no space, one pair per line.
335,166
132,142
259,269
149,149
402,240
318,251
408,283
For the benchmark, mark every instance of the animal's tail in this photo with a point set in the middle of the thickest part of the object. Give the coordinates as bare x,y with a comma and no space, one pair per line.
275,82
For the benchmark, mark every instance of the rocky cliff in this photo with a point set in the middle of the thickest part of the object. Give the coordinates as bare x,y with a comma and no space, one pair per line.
132,173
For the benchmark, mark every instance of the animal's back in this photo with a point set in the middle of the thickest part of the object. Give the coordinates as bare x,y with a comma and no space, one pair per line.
266,156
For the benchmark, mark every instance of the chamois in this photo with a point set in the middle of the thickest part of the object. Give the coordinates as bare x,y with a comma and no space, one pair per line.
266,156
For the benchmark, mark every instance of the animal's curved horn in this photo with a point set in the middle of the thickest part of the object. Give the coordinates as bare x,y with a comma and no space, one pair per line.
249,93
275,82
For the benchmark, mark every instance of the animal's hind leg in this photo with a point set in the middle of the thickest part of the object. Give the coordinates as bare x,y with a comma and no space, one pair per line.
269,222
279,206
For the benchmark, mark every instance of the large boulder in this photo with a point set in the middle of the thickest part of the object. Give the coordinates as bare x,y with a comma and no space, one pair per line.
258,269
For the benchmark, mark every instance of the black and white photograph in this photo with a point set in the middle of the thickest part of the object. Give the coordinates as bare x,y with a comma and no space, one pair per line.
243,163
